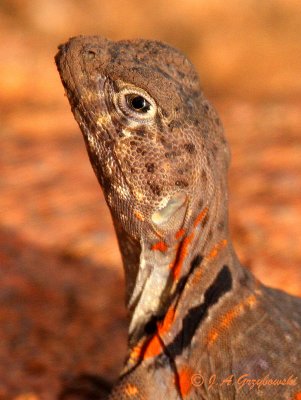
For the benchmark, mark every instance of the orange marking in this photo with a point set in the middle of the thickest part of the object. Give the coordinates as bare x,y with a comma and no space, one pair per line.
226,320
200,217
135,353
197,276
165,325
251,300
216,249
180,233
185,383
176,267
154,347
212,336
138,215
297,396
131,390
161,246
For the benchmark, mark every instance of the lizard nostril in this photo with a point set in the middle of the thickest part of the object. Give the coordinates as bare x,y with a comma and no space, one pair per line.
90,54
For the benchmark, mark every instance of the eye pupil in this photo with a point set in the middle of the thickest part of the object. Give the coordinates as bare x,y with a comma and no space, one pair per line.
140,104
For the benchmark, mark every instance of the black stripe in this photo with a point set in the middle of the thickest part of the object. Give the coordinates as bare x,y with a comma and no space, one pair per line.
151,326
221,285
183,280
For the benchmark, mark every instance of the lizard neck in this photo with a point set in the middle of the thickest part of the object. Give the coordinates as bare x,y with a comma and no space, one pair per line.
162,273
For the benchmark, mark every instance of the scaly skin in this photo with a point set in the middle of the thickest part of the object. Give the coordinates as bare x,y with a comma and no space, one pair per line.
200,323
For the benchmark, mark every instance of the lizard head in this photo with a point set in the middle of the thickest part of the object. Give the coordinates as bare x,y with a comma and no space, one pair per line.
154,141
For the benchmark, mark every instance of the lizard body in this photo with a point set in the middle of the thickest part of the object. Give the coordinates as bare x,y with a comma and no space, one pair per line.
201,325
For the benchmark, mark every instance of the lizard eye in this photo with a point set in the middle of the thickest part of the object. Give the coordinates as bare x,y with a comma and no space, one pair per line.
135,104
138,103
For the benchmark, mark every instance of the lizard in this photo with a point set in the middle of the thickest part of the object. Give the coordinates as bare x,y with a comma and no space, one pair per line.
201,325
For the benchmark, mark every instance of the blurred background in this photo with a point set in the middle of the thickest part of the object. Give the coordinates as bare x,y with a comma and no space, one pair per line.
61,287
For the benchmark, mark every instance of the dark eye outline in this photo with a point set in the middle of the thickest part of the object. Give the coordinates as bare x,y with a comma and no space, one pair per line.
123,103
145,107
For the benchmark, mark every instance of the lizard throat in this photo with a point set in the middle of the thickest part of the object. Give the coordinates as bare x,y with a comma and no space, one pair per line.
163,312
166,272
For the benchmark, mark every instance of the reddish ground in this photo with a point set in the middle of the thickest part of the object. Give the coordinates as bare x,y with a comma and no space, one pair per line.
61,308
